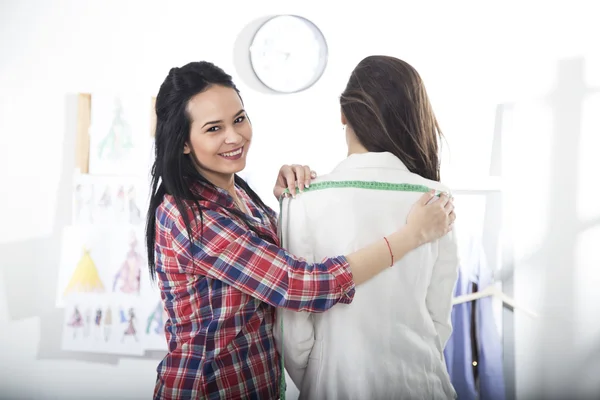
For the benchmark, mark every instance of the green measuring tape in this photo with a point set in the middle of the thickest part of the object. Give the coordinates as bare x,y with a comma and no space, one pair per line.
397,187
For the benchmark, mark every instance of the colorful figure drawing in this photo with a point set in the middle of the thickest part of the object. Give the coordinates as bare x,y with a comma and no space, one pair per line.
130,330
118,142
105,200
129,273
88,322
120,203
85,278
83,203
122,316
97,323
158,318
107,324
76,321
135,215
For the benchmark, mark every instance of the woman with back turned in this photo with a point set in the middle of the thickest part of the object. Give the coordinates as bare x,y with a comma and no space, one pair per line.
387,344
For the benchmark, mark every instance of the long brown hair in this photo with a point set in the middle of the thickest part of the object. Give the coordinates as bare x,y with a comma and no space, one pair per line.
386,104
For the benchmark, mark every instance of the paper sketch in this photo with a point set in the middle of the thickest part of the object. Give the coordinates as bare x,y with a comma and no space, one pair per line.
135,214
108,200
83,204
103,208
111,203
107,324
85,278
88,322
100,259
119,132
98,324
120,200
118,141
105,333
76,323
127,278
105,289
154,322
131,322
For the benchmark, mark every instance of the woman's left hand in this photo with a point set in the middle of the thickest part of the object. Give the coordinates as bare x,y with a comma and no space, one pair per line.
291,176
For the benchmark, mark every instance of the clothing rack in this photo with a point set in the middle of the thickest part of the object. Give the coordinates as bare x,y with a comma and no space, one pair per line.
496,242
493,291
488,189
486,184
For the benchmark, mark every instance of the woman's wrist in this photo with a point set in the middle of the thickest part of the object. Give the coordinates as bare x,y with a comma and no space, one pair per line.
404,240
371,260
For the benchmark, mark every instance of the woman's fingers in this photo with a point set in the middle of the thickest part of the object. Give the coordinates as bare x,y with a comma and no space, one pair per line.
444,199
307,177
298,177
294,178
426,197
290,180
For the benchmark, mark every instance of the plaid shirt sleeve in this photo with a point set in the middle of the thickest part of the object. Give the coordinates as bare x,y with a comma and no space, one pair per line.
231,253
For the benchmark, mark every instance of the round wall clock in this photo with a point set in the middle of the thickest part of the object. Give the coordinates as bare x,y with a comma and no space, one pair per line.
288,53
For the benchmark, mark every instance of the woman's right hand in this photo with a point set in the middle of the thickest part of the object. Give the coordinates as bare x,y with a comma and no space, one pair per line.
431,217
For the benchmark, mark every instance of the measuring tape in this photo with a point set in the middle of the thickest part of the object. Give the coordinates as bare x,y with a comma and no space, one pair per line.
397,187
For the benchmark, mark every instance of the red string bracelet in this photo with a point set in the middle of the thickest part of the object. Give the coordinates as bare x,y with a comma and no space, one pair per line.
390,248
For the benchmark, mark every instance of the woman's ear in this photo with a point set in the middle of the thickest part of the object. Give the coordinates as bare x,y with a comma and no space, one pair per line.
186,149
344,121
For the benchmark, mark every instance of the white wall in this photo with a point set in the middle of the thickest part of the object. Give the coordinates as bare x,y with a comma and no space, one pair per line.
472,58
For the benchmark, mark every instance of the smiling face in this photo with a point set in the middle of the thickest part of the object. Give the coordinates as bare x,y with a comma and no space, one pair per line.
220,134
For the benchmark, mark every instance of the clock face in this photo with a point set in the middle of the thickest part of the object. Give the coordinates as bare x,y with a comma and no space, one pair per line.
288,53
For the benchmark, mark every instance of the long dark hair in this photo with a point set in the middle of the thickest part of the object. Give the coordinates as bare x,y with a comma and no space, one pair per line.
386,104
173,172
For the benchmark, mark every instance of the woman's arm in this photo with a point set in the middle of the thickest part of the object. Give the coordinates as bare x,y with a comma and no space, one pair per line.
231,253
427,221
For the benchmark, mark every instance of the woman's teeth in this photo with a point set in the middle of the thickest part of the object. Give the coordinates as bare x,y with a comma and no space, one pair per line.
232,153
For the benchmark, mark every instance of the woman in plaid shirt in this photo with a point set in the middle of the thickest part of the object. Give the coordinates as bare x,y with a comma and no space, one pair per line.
212,244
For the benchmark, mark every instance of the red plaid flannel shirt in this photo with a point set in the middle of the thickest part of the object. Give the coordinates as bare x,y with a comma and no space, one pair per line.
221,302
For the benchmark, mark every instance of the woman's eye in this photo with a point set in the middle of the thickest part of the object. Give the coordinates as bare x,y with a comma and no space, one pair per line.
212,129
239,119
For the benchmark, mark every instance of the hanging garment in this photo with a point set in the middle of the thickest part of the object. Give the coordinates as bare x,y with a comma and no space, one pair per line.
490,366
475,331
458,352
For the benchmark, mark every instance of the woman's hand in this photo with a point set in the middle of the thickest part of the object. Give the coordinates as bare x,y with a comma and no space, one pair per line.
291,176
431,217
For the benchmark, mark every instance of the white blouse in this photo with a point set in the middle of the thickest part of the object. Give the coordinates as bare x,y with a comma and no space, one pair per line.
388,343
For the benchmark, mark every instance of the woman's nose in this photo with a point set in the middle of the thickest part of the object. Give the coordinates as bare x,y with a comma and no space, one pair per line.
233,136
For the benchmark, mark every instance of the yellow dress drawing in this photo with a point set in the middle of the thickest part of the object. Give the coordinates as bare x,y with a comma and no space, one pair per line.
85,278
